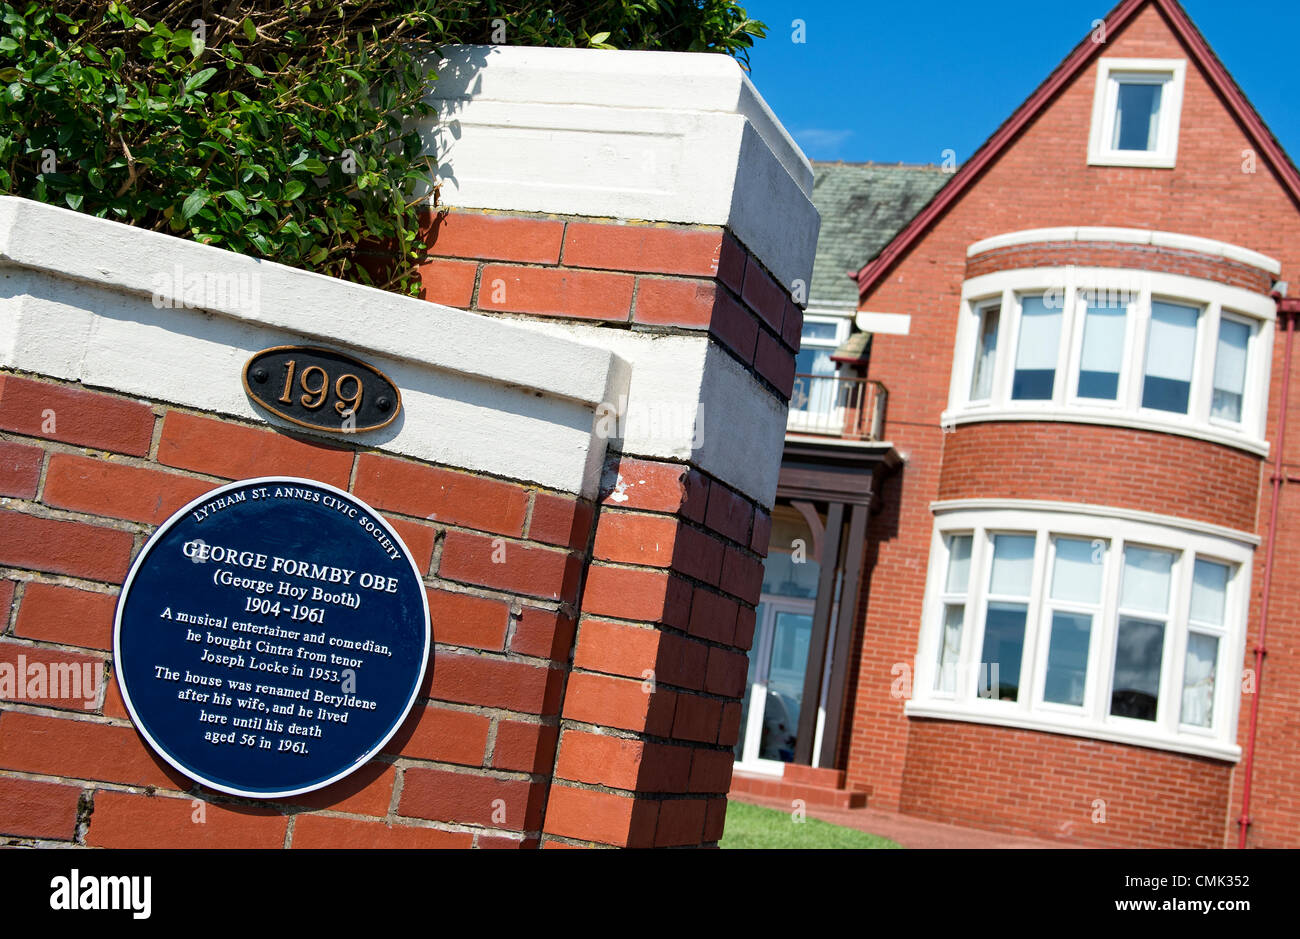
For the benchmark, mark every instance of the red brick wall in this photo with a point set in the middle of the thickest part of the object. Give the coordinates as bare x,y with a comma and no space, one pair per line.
484,729
1131,256
1066,462
569,701
652,708
667,615
1043,180
1068,788
649,278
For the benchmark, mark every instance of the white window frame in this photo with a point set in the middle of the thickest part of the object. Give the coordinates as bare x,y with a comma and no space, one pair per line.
1114,529
812,421
1136,288
1049,606
1170,74
1252,353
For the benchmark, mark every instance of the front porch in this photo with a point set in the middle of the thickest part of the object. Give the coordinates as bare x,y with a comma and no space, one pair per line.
799,680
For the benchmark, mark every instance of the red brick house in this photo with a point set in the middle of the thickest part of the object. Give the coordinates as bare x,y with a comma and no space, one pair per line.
1030,550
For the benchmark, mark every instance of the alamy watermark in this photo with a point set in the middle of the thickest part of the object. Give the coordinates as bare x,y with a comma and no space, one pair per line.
45,681
207,290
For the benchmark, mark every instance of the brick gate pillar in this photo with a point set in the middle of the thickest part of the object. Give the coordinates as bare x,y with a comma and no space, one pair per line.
649,204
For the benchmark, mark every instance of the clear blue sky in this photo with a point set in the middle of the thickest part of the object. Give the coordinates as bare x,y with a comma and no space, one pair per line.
903,81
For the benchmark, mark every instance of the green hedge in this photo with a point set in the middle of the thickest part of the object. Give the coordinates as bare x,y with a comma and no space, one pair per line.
273,128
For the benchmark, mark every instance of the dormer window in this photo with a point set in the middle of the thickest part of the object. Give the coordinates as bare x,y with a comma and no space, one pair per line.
1135,112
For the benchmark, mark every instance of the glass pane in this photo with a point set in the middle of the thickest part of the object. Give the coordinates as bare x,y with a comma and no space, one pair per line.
1137,116
1138,651
1076,575
1198,680
1067,658
1036,353
789,569
790,639
986,349
813,362
1013,565
1209,592
1103,351
1004,641
1230,370
815,395
1171,347
954,615
1146,580
790,573
958,563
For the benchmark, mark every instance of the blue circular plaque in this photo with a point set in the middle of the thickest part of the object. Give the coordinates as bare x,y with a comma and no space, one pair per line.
271,637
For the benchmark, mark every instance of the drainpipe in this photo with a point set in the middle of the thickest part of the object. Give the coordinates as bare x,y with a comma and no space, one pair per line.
1287,309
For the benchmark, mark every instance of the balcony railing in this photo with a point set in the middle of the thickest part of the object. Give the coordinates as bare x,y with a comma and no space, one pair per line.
838,406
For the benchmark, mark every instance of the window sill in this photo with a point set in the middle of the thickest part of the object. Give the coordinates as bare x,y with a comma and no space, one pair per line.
1139,159
1209,747
1113,417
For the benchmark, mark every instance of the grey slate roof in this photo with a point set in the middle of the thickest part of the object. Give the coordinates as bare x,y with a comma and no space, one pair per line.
862,205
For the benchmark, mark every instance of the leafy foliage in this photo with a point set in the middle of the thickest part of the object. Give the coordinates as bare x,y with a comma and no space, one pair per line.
277,128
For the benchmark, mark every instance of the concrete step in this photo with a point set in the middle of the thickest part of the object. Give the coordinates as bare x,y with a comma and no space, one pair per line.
776,787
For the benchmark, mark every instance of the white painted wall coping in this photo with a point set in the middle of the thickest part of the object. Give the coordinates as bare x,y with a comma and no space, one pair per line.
83,301
616,78
117,256
651,136
1129,236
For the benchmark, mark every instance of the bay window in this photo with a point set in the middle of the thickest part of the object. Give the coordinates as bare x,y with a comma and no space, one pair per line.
1068,619
1129,348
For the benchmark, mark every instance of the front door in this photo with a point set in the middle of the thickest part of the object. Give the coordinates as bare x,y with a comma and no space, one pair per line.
769,721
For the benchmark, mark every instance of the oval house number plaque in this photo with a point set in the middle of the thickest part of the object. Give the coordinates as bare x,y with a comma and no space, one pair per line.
322,389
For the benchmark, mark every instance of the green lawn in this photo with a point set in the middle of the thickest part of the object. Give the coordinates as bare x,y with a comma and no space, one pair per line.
749,826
